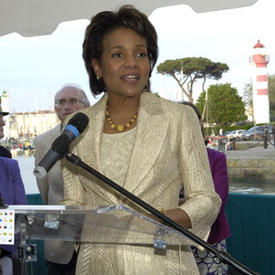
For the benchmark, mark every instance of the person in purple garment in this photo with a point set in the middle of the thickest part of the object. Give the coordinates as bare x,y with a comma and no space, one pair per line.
12,192
220,229
3,151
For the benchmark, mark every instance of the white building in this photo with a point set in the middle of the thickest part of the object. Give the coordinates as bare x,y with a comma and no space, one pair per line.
26,125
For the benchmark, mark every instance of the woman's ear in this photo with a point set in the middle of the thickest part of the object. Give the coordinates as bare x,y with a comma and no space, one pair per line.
96,67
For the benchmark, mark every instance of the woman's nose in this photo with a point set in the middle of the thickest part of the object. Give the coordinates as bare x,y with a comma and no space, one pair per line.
131,61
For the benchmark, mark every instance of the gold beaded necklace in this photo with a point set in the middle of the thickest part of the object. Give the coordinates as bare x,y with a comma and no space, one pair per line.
119,127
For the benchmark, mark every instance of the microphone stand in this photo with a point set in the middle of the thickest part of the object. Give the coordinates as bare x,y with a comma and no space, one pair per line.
220,256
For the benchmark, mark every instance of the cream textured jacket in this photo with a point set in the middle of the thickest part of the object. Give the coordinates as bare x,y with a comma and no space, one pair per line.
168,152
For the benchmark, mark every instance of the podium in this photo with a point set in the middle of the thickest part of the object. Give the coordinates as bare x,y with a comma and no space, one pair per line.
116,224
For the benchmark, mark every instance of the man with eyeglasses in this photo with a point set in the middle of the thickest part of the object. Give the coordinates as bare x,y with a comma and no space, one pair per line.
3,151
60,255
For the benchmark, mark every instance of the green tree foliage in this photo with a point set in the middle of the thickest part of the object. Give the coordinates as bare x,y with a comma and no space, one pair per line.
271,92
248,98
187,71
225,105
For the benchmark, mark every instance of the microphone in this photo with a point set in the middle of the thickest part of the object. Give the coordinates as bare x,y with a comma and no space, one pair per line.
76,125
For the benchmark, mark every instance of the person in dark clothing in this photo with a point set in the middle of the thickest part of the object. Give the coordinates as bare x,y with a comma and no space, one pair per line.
4,152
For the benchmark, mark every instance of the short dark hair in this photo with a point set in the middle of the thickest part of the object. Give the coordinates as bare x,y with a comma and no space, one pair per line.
193,107
198,115
104,22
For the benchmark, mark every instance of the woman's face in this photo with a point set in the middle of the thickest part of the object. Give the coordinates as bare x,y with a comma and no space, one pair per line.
124,65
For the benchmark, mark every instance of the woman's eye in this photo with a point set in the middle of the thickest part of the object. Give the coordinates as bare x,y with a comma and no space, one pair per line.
141,54
116,55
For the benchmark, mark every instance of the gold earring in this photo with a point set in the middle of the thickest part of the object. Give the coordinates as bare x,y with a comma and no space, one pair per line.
97,77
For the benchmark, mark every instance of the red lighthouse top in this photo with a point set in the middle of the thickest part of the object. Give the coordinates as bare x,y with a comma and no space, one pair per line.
259,57
258,45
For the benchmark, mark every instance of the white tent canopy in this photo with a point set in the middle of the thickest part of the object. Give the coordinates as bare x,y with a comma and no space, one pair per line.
40,17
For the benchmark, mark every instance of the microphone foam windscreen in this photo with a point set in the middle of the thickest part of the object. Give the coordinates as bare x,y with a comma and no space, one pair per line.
80,121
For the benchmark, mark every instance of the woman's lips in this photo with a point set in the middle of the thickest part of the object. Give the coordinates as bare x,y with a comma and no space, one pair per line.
130,77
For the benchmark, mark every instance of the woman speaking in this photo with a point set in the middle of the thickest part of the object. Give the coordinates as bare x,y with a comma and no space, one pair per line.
150,146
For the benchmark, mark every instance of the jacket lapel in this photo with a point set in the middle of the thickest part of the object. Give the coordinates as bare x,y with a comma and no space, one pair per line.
151,132
94,133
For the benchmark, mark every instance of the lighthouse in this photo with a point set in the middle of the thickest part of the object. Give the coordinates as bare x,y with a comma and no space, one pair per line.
259,61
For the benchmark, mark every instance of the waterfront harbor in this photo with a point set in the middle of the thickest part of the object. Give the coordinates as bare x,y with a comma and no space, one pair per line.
255,163
250,171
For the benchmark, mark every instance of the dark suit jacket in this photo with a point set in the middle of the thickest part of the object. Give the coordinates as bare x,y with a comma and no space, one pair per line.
4,152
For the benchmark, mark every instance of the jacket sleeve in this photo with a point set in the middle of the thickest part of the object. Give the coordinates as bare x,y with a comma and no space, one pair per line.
220,177
202,203
220,229
42,184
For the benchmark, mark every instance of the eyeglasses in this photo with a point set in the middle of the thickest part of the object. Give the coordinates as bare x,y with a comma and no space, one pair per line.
72,101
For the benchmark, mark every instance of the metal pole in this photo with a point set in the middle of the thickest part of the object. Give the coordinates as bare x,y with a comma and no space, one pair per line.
265,137
273,133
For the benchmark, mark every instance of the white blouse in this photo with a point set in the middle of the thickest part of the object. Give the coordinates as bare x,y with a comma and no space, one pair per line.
115,153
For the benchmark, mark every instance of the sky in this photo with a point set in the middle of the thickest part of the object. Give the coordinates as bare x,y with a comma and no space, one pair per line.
32,69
